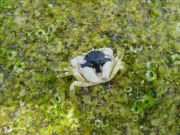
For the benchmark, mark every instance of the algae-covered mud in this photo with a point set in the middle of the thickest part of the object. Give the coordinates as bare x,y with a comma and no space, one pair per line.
38,38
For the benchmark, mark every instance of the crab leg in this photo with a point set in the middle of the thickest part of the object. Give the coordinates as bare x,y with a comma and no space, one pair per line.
63,72
61,75
80,84
120,52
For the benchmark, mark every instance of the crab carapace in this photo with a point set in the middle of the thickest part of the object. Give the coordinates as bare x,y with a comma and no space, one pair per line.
95,59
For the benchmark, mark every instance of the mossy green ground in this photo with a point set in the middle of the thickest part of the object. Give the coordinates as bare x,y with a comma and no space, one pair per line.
38,37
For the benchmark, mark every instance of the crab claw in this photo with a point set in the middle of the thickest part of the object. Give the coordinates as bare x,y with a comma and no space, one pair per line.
107,69
90,75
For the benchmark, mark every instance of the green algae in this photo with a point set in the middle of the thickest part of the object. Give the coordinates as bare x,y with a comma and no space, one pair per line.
39,37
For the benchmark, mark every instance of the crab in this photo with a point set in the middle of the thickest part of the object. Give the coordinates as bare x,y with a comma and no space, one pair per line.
94,67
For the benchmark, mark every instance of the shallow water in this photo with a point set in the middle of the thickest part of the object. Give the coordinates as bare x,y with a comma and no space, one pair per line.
37,40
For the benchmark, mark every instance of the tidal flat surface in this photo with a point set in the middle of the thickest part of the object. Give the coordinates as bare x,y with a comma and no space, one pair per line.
39,37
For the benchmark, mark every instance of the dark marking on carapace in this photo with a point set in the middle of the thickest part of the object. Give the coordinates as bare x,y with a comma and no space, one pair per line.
95,59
